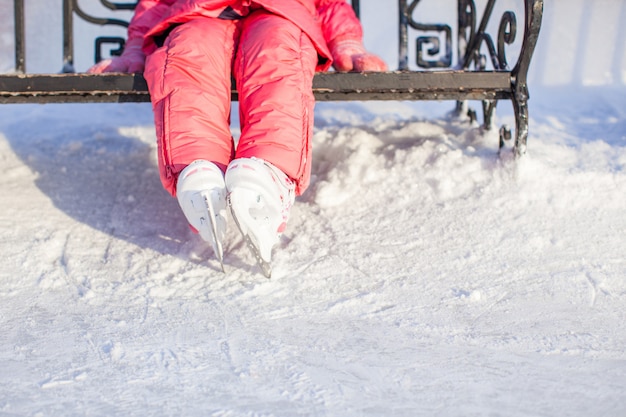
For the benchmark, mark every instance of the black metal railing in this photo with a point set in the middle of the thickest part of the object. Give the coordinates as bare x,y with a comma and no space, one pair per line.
20,41
433,45
71,7
476,46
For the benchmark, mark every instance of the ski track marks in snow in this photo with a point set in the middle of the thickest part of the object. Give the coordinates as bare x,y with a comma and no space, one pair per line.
420,271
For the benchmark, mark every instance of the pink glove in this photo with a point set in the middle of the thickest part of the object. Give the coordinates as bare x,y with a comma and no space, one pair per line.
131,60
350,55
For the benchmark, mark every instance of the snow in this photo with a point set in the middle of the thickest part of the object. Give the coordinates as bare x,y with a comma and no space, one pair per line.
421,273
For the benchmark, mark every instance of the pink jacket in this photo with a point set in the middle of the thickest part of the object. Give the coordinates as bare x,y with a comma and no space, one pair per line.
324,21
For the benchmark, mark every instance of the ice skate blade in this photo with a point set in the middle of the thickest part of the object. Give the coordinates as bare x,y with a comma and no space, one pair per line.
265,266
216,243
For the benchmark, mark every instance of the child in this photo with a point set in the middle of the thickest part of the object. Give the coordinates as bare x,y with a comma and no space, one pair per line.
189,51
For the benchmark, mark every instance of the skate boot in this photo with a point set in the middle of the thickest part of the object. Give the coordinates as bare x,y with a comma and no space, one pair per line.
201,194
260,198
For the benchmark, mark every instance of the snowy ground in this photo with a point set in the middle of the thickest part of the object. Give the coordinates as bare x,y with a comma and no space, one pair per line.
421,274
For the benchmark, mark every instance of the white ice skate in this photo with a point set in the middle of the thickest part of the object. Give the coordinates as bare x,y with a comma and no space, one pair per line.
201,194
260,197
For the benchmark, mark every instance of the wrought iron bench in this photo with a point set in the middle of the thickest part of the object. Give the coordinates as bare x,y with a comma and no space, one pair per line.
481,73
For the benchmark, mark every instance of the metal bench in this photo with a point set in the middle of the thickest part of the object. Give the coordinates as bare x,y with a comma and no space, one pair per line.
481,73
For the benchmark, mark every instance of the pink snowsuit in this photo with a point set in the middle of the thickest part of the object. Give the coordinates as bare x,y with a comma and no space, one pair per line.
271,48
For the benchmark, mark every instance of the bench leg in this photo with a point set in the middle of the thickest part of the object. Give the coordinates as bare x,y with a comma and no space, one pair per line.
534,15
520,107
489,107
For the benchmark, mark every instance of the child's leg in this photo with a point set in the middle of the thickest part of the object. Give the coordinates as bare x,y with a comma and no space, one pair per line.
274,70
189,79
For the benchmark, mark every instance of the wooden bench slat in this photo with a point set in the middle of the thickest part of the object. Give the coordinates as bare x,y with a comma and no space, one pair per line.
426,85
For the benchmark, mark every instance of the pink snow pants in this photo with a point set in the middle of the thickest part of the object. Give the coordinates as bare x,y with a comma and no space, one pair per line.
272,62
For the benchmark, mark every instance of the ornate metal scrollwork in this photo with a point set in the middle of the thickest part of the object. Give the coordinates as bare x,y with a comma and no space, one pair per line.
467,24
116,41
71,7
434,42
104,21
473,38
109,40
506,35
119,6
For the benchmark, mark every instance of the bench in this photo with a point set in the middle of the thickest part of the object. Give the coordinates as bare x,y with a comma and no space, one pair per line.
481,72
